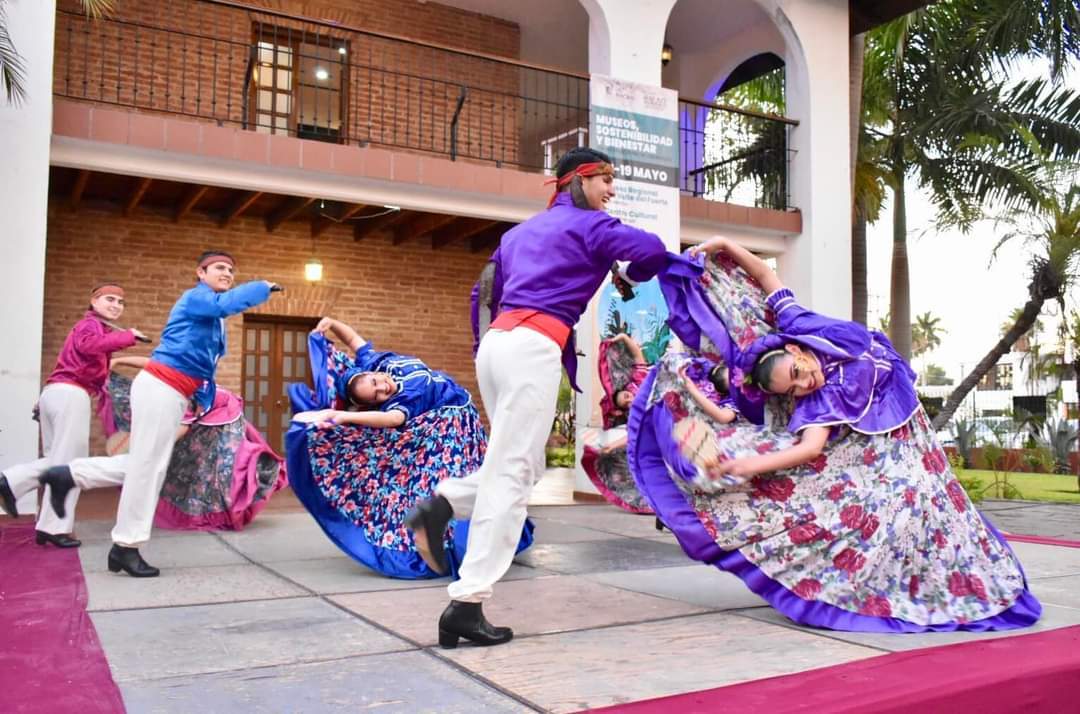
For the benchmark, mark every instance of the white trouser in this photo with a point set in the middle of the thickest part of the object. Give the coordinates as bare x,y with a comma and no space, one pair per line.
156,412
64,413
519,373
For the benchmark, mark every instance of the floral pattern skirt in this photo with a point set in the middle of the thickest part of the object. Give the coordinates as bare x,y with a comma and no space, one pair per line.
373,477
220,476
876,534
610,473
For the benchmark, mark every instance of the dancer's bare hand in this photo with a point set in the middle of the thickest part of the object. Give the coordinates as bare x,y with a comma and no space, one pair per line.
139,335
328,417
325,324
320,417
713,245
741,468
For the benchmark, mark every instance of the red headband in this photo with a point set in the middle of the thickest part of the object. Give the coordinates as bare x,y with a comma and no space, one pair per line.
107,289
217,258
596,168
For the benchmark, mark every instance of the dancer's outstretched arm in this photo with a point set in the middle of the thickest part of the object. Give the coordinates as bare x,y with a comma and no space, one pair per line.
343,332
130,361
617,443
379,420
632,345
810,445
719,414
755,266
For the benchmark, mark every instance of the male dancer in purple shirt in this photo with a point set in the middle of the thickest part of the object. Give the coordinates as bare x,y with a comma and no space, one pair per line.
546,271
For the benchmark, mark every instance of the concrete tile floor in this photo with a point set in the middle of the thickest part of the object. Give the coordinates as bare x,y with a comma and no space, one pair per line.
605,608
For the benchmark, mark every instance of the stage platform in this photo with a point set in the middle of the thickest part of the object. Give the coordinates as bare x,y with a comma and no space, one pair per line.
607,611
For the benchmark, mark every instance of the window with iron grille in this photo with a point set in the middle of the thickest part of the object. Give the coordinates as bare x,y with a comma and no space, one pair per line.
298,83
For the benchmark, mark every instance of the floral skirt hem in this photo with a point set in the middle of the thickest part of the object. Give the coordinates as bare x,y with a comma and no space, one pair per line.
836,564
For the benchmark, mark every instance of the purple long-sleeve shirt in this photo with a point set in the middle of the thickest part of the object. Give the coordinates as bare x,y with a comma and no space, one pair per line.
557,260
84,358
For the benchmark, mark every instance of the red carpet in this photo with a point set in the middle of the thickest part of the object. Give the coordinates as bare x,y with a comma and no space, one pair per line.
50,657
1025,673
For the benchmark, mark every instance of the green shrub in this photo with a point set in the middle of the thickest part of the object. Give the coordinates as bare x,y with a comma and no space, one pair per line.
560,456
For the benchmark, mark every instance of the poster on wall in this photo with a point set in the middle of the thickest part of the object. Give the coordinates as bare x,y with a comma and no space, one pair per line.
637,125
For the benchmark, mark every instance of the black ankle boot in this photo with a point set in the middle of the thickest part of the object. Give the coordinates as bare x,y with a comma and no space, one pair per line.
428,523
59,481
7,498
60,540
466,619
659,524
129,560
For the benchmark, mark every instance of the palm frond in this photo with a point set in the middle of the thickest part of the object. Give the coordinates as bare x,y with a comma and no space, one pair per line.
12,67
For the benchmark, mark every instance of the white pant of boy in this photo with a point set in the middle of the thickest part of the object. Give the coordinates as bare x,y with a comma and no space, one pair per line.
156,413
64,414
519,373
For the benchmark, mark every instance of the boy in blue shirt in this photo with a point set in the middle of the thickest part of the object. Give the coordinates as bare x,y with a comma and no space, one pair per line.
180,370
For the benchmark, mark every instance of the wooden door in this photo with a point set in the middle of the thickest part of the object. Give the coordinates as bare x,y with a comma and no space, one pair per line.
275,356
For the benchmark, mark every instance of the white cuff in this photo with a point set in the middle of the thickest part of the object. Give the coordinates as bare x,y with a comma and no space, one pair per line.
621,266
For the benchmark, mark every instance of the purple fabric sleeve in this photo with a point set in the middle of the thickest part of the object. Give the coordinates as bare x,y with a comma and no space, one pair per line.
618,241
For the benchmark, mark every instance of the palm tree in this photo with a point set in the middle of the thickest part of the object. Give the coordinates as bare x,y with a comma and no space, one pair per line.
925,336
1025,340
955,125
1025,28
1054,266
1070,331
928,331
12,67
758,147
868,196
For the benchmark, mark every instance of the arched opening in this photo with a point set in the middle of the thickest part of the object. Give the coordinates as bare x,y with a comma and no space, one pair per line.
729,69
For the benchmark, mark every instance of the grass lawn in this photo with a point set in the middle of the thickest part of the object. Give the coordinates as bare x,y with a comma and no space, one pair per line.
1033,487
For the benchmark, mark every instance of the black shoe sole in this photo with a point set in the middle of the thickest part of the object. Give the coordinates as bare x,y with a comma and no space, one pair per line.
58,494
449,640
424,549
417,522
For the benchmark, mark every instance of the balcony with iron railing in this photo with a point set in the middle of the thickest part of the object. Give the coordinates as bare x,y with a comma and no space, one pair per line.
273,72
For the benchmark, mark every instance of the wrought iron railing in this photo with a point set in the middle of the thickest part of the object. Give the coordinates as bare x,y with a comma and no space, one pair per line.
733,155
274,72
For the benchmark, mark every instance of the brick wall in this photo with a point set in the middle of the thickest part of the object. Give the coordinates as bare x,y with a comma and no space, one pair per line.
190,57
406,298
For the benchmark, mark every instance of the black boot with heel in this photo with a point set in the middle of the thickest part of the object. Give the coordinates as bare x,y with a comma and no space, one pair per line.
465,620
7,498
60,540
59,481
428,523
129,560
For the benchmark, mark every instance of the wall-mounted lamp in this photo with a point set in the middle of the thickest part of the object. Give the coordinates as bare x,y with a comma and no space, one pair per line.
313,270
665,54
313,267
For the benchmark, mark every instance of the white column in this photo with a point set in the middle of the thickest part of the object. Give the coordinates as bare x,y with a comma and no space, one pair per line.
626,36
625,39
817,264
24,174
